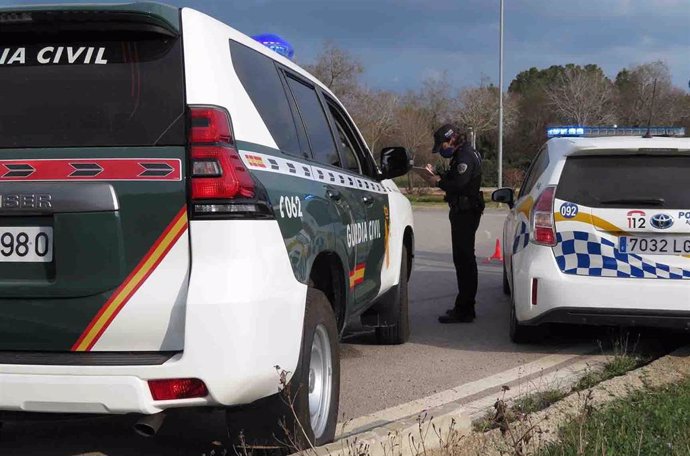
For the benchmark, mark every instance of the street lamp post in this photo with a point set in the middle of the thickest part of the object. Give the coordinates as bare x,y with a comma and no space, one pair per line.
500,102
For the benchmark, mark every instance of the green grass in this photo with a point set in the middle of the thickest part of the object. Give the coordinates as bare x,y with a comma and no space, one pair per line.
524,405
618,365
429,198
649,423
615,367
538,401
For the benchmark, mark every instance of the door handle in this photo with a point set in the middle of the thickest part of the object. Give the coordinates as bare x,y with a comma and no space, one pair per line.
368,200
333,194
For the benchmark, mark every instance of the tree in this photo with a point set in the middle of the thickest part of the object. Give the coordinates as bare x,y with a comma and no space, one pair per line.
638,84
374,113
582,96
338,70
436,97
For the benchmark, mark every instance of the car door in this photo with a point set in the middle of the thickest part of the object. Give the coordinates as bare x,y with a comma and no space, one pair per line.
344,211
369,195
516,236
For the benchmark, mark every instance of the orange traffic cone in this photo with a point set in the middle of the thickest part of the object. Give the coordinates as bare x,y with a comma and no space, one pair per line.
498,252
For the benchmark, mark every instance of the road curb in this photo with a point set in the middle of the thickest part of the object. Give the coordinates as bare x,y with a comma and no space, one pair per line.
406,437
443,425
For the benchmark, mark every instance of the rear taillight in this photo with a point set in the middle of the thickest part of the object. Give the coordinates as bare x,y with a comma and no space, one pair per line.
177,388
217,171
543,225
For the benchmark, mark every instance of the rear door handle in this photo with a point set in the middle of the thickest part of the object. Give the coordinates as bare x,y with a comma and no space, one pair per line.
333,194
368,200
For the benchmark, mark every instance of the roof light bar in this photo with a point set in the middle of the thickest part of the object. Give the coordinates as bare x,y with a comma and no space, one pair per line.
576,131
276,43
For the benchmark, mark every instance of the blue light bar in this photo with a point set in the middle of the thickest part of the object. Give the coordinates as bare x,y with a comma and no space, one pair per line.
276,43
590,132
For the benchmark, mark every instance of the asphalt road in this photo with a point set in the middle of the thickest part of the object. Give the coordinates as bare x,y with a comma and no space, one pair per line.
438,357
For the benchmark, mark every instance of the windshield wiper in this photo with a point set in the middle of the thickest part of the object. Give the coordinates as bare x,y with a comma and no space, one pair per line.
636,201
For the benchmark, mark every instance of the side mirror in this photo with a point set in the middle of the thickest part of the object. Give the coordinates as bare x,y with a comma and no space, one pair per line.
504,195
395,161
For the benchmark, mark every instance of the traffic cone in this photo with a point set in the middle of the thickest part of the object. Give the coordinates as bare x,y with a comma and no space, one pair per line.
498,252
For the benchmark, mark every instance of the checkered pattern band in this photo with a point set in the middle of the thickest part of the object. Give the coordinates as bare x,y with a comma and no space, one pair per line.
281,165
581,253
522,238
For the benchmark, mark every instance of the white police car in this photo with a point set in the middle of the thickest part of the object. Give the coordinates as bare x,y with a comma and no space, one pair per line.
600,232
185,215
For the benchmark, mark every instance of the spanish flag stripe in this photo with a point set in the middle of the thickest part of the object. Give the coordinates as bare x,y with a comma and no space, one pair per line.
136,278
357,275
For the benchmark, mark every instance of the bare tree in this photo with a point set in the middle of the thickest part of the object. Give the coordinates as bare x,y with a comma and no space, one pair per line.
436,96
338,70
635,89
374,114
582,96
413,126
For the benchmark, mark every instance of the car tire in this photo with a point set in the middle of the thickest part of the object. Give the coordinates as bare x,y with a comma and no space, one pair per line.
397,330
506,284
313,391
522,334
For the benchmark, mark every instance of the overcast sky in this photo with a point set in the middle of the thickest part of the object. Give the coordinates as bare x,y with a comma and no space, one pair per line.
402,42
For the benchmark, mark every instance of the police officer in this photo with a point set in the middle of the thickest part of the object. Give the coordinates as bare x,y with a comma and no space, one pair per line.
461,183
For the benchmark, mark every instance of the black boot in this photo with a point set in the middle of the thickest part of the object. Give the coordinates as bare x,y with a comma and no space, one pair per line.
457,316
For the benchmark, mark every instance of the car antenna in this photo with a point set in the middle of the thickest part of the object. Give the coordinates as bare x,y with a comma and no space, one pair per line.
651,112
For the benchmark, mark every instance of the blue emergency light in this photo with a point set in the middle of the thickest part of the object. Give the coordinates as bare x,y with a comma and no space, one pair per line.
589,132
276,43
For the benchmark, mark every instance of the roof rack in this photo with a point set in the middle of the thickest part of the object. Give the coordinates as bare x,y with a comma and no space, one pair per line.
589,132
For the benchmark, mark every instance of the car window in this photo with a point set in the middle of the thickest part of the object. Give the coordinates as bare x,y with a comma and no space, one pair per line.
350,161
315,122
639,181
356,146
538,167
124,89
260,78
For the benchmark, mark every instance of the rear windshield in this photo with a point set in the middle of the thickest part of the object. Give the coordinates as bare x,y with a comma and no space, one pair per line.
626,181
119,89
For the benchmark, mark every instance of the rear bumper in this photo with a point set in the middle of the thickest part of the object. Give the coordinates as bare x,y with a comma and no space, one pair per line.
244,316
614,317
77,394
566,298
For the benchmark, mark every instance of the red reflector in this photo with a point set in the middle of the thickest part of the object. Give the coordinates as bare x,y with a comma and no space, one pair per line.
543,225
234,180
210,125
177,388
544,236
535,286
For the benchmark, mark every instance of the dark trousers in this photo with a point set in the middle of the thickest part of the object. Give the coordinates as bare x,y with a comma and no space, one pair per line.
463,226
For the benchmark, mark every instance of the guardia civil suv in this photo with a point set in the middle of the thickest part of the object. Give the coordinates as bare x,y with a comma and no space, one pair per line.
600,231
186,217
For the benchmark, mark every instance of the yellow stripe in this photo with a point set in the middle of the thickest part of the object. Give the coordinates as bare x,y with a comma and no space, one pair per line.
591,220
133,282
526,206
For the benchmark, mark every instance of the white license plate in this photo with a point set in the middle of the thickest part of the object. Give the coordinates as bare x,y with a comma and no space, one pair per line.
655,245
26,244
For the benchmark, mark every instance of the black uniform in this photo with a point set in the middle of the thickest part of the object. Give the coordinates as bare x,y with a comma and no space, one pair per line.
462,186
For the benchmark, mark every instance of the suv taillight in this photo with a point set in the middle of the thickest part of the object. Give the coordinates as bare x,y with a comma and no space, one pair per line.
543,225
217,171
216,168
